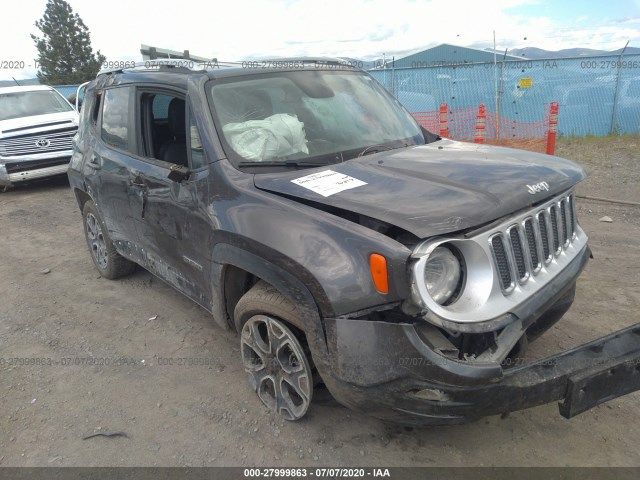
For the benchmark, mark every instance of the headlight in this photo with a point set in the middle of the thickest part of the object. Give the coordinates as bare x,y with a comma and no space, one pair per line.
442,274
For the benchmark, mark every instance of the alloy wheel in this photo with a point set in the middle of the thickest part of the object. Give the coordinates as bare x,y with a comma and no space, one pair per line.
278,369
96,241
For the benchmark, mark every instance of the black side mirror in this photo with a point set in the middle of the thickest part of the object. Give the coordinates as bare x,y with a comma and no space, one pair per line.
179,173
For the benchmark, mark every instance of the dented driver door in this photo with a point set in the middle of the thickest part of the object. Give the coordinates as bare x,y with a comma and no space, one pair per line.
168,221
169,210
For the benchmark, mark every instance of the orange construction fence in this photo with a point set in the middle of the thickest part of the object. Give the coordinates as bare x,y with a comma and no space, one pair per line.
480,125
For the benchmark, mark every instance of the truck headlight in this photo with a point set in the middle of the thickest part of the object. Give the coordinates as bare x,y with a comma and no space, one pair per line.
442,274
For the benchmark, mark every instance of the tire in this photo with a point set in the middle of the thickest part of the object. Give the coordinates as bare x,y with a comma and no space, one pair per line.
107,260
274,355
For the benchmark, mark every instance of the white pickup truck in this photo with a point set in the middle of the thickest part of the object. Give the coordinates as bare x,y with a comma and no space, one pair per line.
37,125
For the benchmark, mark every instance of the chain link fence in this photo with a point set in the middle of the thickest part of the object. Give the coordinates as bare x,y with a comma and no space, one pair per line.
596,95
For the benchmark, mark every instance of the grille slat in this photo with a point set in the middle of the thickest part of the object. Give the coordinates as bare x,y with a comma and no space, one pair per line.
544,235
554,228
524,249
518,254
530,233
570,218
565,227
502,262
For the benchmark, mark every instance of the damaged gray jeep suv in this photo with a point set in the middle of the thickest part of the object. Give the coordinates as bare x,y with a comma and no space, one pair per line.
351,249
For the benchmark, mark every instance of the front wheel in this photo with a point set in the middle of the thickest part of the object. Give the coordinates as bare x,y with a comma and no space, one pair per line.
107,260
273,356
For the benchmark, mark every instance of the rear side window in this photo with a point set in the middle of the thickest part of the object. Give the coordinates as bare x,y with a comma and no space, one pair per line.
115,118
96,109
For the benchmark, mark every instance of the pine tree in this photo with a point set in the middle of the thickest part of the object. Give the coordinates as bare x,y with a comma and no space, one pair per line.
65,55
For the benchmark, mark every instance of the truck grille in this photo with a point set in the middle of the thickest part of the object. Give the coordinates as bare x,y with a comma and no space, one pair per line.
524,248
34,143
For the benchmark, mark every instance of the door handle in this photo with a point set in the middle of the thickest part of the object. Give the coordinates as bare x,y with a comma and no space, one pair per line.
94,162
137,183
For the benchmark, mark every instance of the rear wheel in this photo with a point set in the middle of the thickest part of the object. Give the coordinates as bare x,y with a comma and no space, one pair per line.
107,260
273,355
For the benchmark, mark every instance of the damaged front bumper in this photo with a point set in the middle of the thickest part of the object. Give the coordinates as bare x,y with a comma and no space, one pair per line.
396,371
444,391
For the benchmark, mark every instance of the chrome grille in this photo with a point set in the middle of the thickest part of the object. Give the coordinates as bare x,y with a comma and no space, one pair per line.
523,248
38,143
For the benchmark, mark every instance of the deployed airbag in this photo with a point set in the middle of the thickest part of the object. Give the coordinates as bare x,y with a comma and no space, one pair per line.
274,137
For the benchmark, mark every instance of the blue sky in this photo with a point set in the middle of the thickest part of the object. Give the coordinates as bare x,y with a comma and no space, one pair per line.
599,24
244,29
567,11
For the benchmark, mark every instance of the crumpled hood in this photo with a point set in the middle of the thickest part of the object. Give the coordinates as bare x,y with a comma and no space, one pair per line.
437,188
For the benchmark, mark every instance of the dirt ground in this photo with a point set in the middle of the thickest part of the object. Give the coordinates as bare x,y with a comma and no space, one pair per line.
202,415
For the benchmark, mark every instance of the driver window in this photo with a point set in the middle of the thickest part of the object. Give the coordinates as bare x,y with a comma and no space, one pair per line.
164,128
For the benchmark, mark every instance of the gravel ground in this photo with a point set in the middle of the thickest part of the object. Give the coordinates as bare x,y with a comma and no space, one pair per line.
203,415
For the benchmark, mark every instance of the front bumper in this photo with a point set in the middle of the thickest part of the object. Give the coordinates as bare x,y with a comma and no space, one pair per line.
390,370
33,168
580,379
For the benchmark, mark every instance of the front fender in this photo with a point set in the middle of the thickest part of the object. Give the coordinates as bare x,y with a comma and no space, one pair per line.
310,304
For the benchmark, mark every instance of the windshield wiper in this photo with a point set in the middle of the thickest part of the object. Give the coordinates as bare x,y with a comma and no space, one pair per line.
379,148
288,163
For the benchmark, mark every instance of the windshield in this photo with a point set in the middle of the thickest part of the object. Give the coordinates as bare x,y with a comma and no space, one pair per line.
28,104
308,118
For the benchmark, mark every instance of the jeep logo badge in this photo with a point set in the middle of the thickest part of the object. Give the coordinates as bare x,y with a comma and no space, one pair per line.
538,187
42,143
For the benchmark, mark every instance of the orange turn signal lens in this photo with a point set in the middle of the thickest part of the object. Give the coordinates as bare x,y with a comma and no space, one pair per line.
378,266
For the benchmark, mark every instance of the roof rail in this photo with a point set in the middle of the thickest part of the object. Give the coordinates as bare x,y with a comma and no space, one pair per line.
317,60
171,64
185,64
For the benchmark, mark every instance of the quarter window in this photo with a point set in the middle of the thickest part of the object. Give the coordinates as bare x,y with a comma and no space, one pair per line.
197,152
96,109
115,118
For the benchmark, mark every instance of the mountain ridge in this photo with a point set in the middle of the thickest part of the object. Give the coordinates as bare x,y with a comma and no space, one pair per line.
534,53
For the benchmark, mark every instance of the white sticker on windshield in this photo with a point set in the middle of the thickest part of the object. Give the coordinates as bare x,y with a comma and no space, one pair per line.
328,182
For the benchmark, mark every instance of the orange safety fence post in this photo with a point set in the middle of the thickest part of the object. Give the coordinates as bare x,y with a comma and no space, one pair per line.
553,128
444,119
481,125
